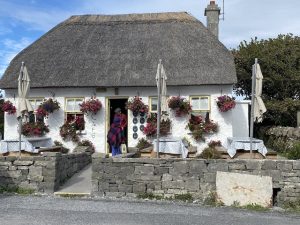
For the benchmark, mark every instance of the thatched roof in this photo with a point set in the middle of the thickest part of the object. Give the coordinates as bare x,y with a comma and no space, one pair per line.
124,50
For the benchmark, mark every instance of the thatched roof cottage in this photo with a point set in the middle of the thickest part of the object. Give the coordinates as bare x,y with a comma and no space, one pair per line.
115,57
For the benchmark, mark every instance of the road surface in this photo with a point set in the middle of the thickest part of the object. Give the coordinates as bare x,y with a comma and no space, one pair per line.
17,210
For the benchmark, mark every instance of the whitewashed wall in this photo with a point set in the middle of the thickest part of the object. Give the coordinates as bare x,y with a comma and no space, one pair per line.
240,123
96,125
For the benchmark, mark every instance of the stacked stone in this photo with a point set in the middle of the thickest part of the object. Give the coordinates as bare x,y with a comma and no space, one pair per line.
168,177
40,173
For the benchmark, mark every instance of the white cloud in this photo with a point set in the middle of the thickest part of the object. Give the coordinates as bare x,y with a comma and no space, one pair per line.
11,49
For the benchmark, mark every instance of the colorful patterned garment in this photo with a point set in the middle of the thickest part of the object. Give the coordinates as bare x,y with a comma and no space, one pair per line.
115,136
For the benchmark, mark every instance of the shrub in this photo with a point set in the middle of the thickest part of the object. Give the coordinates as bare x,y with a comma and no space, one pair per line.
63,149
87,143
294,152
213,144
151,126
68,132
143,143
210,153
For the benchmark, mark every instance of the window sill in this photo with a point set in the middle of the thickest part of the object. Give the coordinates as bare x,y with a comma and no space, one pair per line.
83,132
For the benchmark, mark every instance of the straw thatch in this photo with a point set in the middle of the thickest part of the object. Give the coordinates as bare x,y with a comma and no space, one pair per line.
123,50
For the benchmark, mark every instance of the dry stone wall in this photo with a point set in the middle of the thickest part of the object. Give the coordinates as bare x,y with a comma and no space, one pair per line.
169,177
40,173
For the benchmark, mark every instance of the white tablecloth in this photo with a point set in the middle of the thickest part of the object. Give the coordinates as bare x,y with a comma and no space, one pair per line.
28,145
244,143
171,146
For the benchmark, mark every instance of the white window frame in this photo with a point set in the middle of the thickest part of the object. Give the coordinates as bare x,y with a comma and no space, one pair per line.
201,97
35,106
150,104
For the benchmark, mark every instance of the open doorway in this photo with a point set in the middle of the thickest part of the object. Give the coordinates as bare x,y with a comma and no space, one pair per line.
114,103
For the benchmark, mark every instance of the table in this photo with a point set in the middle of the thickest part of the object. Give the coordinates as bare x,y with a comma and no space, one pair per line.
234,143
171,146
28,144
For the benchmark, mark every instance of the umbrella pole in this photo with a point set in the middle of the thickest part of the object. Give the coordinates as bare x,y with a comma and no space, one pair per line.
252,107
20,125
158,108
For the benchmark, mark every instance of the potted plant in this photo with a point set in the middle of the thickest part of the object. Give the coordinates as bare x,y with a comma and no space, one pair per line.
92,105
34,129
48,106
136,105
199,127
225,103
180,105
68,132
151,126
7,106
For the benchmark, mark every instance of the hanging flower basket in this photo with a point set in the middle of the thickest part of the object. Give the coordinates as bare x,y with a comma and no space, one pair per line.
92,105
226,103
136,105
180,105
68,131
199,127
151,126
48,106
34,129
8,107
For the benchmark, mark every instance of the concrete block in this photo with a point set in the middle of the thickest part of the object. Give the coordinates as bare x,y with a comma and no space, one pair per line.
244,189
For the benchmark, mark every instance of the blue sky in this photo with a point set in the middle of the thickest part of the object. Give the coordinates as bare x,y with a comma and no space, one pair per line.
24,21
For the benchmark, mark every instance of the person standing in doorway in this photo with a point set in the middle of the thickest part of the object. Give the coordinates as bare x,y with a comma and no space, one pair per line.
116,135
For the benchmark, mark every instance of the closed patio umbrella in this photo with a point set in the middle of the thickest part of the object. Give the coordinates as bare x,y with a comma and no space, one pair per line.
259,106
24,106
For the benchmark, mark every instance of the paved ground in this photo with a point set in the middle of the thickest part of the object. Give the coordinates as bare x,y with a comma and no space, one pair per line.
79,183
17,210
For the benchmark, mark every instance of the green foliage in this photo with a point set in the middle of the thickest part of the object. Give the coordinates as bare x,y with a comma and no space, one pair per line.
294,152
184,197
210,153
213,200
150,196
279,59
293,206
64,150
17,190
255,207
143,143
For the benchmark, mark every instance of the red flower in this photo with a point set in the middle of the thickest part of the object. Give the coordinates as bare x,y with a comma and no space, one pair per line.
180,105
92,105
136,105
225,103
8,107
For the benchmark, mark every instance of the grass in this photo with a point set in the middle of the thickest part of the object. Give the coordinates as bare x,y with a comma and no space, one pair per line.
292,206
17,190
255,207
213,200
177,197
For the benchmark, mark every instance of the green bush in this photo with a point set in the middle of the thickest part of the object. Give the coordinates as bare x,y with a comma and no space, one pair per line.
210,153
294,152
143,143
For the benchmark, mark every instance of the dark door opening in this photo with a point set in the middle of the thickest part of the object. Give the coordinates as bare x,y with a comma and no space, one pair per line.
118,103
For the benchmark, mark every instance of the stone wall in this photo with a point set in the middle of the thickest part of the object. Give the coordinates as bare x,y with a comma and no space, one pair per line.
168,177
40,173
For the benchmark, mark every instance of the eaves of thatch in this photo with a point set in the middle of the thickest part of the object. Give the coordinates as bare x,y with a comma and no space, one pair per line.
123,51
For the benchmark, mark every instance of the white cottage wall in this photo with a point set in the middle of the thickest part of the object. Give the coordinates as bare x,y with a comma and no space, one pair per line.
96,129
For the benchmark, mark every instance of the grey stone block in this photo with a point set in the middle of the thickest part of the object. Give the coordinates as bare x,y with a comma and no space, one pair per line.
161,170
209,178
4,168
253,165
23,163
125,188
236,166
285,165
269,165
213,167
192,185
177,184
5,163
144,170
167,177
296,165
154,185
197,167
139,188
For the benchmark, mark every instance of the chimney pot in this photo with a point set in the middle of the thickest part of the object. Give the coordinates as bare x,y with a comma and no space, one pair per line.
212,12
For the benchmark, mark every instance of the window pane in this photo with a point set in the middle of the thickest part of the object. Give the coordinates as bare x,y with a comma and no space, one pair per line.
31,117
204,103
76,106
70,105
195,103
153,104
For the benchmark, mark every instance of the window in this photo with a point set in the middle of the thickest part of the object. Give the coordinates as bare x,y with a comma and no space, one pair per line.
200,103
35,103
72,109
153,104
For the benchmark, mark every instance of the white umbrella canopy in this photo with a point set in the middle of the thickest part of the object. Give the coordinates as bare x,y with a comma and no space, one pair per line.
259,106
164,103
24,106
